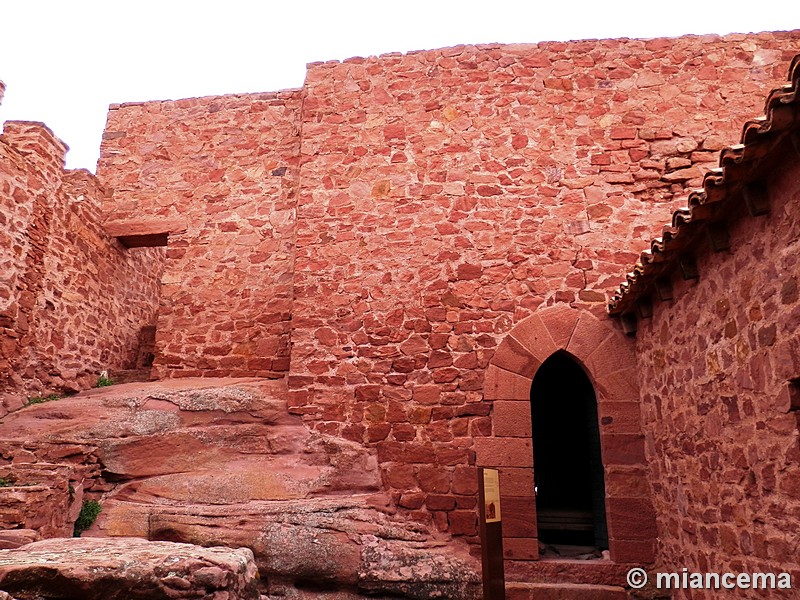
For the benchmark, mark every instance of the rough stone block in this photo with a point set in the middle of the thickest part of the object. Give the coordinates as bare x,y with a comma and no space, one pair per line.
519,516
516,481
463,522
560,321
619,417
512,418
533,336
612,355
619,386
512,356
624,481
637,552
622,448
520,548
631,519
588,334
504,452
500,384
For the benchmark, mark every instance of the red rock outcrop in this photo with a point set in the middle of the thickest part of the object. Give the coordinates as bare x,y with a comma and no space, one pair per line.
347,543
222,462
127,569
40,497
218,441
14,538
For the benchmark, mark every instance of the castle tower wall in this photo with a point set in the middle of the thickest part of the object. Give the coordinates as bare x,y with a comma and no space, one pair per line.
448,195
225,169
72,300
394,220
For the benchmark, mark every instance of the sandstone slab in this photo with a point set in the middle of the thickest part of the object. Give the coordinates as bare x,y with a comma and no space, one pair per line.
222,463
126,569
351,544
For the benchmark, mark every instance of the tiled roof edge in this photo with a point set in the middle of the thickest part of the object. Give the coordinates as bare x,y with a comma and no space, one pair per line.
738,168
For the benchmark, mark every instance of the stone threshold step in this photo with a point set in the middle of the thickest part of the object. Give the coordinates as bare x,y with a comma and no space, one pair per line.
561,571
564,591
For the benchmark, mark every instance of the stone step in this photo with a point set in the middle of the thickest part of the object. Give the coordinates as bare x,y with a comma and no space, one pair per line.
564,591
563,571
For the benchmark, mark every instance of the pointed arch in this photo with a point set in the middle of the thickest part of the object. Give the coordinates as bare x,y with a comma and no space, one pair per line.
600,347
607,357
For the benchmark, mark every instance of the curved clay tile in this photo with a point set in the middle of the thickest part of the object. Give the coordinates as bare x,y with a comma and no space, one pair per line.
738,166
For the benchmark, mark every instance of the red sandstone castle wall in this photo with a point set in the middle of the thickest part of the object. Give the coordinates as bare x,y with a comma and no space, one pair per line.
72,300
447,195
718,407
226,168
441,198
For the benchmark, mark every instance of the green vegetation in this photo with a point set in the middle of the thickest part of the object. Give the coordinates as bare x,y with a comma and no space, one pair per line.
11,481
88,515
42,399
104,381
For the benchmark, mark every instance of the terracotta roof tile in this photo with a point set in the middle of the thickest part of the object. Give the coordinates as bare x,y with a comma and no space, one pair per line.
726,193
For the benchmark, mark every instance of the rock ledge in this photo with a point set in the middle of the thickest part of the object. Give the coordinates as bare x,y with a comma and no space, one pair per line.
127,568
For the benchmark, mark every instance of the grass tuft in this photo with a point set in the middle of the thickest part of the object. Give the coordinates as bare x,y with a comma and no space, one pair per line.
104,381
88,515
42,399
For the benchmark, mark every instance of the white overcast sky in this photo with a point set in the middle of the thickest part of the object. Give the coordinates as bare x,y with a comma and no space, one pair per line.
65,61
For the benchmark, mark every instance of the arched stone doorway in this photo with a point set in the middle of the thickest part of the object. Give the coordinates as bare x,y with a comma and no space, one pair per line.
606,356
569,483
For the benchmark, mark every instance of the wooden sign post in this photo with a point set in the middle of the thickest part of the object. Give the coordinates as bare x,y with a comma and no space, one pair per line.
491,528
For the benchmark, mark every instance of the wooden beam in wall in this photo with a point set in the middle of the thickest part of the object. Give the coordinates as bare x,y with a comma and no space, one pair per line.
644,307
688,266
756,197
664,288
629,323
718,236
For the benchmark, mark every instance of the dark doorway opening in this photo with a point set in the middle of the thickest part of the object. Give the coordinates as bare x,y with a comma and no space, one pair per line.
568,469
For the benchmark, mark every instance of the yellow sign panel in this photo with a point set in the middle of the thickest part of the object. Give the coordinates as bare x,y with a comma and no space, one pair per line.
491,495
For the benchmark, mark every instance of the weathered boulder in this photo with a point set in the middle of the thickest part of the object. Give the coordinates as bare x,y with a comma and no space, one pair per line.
14,538
223,463
127,569
347,544
417,571
42,497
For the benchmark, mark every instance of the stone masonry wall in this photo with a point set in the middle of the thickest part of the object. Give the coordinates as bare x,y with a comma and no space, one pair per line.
403,213
226,168
72,300
447,195
718,373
